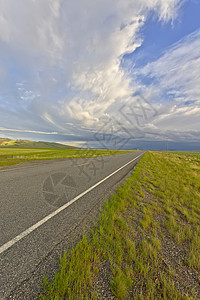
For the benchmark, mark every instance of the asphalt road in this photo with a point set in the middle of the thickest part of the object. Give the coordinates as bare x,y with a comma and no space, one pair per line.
43,203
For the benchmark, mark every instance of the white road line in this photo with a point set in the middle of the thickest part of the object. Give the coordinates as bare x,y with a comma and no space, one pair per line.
38,224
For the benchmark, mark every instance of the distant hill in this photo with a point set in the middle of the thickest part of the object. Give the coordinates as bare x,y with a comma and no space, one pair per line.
5,142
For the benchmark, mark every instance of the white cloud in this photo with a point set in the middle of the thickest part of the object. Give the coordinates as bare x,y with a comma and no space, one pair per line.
27,131
67,55
178,69
175,84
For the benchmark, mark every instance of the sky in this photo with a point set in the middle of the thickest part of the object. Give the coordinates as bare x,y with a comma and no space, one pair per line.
119,74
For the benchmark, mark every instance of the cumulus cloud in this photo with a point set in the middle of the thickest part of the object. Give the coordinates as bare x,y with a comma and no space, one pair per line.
62,66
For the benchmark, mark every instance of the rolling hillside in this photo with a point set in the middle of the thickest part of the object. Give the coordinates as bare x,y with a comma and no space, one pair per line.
5,142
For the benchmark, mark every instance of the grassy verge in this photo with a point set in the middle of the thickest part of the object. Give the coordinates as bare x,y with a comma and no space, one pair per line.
146,242
13,156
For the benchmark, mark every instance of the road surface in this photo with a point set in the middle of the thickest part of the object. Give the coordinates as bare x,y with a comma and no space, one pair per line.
44,203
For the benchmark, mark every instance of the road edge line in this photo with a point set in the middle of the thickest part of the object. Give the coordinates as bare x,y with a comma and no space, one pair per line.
57,211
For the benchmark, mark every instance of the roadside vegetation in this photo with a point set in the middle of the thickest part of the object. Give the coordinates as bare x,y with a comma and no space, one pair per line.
146,242
13,156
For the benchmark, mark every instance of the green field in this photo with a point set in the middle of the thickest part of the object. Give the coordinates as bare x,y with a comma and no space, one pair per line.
146,242
12,156
5,142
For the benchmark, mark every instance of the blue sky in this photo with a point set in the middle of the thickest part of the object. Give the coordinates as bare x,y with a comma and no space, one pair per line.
159,36
79,72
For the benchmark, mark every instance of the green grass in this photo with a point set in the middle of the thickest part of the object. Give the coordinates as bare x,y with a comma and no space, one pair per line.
13,156
147,234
